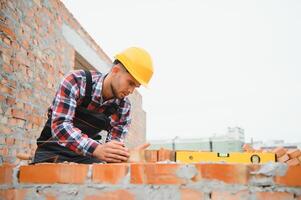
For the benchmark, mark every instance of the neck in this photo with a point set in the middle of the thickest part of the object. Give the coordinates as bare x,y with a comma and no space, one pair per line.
106,91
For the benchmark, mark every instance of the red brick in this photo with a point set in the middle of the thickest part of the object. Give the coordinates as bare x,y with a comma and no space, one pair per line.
13,194
5,129
274,196
10,101
221,195
109,173
24,95
27,107
4,80
35,119
12,83
14,63
6,58
29,126
19,114
16,122
191,194
151,155
25,44
291,178
20,105
166,154
9,82
111,195
5,89
4,151
283,158
6,173
279,151
7,41
293,162
155,174
10,141
53,173
6,68
294,153
228,173
2,98
8,32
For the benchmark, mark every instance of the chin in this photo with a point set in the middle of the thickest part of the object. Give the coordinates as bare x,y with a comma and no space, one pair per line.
118,96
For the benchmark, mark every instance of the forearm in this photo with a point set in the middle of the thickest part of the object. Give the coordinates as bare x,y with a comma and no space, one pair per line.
72,138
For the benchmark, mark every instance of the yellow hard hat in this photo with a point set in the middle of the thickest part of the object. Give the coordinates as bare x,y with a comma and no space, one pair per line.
138,63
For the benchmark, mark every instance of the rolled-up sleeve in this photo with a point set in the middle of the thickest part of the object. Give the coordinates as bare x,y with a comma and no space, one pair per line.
120,122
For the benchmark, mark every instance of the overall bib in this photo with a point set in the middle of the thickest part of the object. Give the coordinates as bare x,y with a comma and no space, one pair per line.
89,122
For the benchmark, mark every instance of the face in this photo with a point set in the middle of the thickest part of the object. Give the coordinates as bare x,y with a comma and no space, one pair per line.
123,83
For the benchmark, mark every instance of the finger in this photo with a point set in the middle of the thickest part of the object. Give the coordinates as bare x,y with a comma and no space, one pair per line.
114,146
142,146
118,152
117,143
116,157
112,160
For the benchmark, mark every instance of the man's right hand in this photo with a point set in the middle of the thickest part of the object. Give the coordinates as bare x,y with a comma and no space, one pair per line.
113,152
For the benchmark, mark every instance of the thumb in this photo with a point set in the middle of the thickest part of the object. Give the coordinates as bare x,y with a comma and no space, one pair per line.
142,146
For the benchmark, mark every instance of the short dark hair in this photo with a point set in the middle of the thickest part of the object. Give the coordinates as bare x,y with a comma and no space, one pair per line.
116,62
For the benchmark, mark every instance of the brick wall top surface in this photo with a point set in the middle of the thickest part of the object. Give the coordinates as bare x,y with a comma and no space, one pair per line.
148,173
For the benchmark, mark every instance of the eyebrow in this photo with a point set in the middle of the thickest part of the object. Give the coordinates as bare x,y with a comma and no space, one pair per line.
136,85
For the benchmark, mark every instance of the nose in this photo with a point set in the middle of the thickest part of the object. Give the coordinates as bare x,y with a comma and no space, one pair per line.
131,90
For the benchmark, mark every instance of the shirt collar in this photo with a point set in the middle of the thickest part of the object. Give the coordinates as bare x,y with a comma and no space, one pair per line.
97,96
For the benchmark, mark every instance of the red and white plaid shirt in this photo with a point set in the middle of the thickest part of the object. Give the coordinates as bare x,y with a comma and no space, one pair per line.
70,94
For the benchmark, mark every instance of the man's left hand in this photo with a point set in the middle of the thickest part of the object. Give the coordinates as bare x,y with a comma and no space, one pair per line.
142,147
137,154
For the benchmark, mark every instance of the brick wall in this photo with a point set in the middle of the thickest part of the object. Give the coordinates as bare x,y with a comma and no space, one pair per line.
138,128
39,41
168,181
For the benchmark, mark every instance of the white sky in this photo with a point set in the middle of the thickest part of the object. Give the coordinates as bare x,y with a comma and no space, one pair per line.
217,63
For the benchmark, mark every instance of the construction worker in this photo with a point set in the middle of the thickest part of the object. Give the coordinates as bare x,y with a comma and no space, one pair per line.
88,102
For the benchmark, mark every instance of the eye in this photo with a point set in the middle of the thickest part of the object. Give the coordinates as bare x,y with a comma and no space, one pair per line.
131,83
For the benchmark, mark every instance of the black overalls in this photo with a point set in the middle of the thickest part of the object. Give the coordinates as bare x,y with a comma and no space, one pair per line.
91,123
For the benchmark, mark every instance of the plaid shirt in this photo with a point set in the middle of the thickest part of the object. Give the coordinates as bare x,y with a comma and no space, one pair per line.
70,94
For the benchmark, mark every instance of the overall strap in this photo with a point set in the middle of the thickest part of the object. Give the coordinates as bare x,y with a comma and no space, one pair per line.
88,93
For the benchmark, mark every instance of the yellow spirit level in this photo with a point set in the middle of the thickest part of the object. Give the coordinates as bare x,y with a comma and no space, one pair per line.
234,157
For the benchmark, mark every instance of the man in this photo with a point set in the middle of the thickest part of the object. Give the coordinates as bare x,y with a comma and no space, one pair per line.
89,102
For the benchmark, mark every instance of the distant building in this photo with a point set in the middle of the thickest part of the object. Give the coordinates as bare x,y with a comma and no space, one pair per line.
271,144
232,141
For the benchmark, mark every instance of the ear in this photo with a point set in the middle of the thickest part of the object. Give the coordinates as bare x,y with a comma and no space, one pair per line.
115,69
